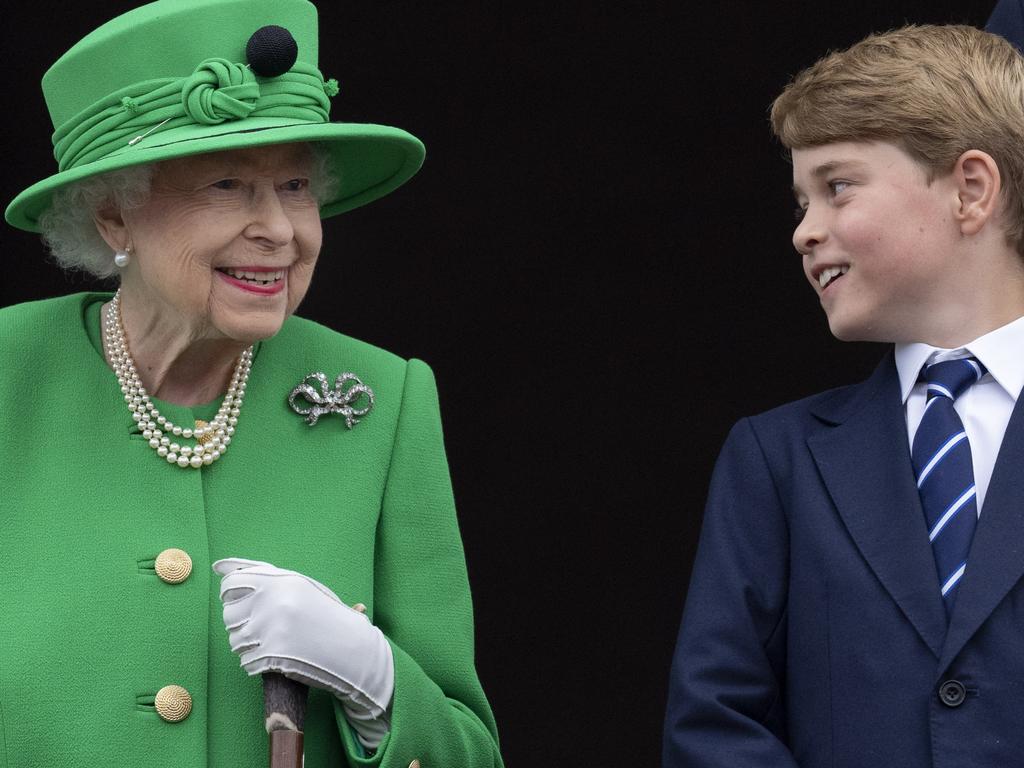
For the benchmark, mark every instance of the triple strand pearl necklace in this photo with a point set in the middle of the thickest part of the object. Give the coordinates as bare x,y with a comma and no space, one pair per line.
212,440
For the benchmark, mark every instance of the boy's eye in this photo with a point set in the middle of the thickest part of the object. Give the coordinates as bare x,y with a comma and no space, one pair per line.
799,213
838,186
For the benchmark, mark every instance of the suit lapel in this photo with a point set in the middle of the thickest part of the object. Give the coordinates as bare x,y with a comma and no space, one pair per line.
865,464
996,560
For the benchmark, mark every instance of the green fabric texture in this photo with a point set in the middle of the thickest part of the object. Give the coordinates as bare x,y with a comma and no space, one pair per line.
89,633
171,79
217,91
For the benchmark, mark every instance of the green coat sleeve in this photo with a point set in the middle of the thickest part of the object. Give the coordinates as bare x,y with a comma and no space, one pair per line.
439,715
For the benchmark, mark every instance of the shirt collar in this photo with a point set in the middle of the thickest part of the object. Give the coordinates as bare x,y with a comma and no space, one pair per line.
1000,351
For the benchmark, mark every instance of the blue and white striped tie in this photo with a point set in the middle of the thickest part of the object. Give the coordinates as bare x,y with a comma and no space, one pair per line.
941,455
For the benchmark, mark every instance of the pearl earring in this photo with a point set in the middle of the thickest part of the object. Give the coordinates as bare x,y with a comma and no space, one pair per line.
121,258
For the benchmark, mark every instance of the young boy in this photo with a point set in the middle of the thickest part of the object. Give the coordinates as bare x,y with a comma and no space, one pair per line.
857,598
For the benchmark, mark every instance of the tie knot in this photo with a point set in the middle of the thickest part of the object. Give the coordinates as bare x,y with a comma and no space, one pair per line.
951,378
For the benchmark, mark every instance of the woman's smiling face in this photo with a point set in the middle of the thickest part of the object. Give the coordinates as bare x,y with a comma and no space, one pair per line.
227,242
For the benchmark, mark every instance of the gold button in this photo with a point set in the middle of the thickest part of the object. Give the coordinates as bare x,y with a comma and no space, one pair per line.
173,703
173,565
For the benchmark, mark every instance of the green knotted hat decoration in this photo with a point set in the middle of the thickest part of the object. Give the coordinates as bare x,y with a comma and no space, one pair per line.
186,77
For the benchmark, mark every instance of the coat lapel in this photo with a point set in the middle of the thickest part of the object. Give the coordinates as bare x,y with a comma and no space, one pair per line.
996,560
865,463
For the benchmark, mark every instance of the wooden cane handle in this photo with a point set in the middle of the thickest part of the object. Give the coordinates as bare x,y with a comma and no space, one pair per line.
284,702
286,749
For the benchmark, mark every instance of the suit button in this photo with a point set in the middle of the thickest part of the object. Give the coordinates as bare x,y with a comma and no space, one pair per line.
952,693
173,703
173,566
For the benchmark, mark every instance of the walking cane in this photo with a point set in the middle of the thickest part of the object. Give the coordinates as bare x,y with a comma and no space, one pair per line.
284,704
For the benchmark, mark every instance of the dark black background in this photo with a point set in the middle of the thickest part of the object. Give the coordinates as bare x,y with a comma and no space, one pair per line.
595,260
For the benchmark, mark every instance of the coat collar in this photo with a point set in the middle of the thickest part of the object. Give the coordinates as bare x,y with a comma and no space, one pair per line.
996,560
864,460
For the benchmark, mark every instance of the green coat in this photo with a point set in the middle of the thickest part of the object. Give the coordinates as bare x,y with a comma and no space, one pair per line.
89,633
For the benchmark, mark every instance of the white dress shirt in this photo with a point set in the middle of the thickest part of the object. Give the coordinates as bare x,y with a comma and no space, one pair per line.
985,407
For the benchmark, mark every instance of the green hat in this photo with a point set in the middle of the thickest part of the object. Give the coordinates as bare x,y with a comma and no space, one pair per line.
185,77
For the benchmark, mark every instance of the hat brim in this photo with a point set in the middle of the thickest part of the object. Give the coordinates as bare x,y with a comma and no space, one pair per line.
369,160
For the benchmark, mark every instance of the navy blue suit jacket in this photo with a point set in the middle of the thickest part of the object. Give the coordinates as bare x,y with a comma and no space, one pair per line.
1008,20
814,633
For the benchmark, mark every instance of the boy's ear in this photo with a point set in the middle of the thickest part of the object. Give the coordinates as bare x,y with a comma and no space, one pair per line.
977,180
111,226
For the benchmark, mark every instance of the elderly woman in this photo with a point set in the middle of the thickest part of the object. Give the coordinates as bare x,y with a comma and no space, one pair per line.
189,421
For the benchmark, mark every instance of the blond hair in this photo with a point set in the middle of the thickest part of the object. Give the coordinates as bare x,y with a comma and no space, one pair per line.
934,91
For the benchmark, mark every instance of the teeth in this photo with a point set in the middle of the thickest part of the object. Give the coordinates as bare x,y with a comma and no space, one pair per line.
262,278
826,276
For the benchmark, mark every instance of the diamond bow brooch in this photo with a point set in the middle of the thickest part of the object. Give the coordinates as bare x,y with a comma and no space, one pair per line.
344,398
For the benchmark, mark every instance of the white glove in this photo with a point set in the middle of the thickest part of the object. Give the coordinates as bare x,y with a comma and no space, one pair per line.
282,621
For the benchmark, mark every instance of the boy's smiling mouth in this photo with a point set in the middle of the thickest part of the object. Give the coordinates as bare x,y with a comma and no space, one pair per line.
827,275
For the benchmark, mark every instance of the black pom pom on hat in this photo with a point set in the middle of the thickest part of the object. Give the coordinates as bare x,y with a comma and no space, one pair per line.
271,51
